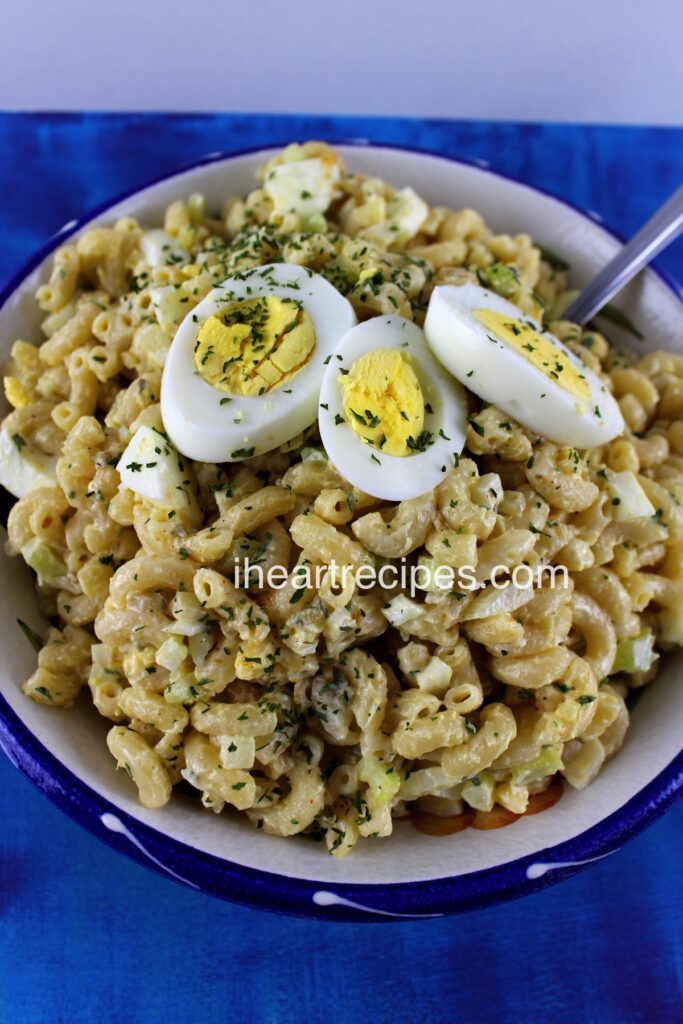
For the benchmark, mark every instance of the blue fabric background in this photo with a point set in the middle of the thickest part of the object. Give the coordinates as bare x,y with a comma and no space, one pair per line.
87,935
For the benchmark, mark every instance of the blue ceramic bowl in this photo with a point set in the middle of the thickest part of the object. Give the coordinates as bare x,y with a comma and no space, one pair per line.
410,875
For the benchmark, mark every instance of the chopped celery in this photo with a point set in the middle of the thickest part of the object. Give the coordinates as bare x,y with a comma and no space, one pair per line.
635,654
196,207
172,653
314,223
433,576
500,278
183,690
383,780
547,762
43,559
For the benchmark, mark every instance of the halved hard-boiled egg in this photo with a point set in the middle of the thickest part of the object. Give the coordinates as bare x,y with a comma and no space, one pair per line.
391,420
244,371
505,357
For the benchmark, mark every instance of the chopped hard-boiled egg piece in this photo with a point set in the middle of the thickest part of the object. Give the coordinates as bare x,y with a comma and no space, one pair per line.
435,677
629,500
159,248
305,187
170,305
151,467
237,751
404,216
22,468
254,346
401,609
244,370
506,358
392,422
17,395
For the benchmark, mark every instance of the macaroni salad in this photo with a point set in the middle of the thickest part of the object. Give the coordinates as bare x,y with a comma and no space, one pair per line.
318,705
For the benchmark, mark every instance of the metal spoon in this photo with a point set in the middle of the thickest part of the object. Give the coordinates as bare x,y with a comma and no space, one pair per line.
661,229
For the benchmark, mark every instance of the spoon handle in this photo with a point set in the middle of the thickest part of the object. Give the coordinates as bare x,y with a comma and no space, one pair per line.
655,235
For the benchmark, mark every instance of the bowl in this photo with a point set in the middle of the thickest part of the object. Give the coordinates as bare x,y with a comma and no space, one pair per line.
410,875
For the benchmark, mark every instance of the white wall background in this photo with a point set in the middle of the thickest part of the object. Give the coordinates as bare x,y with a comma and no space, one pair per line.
582,60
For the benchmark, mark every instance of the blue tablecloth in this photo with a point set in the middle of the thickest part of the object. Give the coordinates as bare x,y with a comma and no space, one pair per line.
86,935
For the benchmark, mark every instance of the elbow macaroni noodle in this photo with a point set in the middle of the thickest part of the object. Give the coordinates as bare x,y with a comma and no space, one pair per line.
321,706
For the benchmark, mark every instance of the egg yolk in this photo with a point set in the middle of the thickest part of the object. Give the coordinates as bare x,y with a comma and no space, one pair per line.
383,402
15,393
538,350
255,345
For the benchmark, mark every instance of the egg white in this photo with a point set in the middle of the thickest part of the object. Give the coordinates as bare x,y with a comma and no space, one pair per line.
393,477
208,425
494,371
24,468
159,248
302,186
